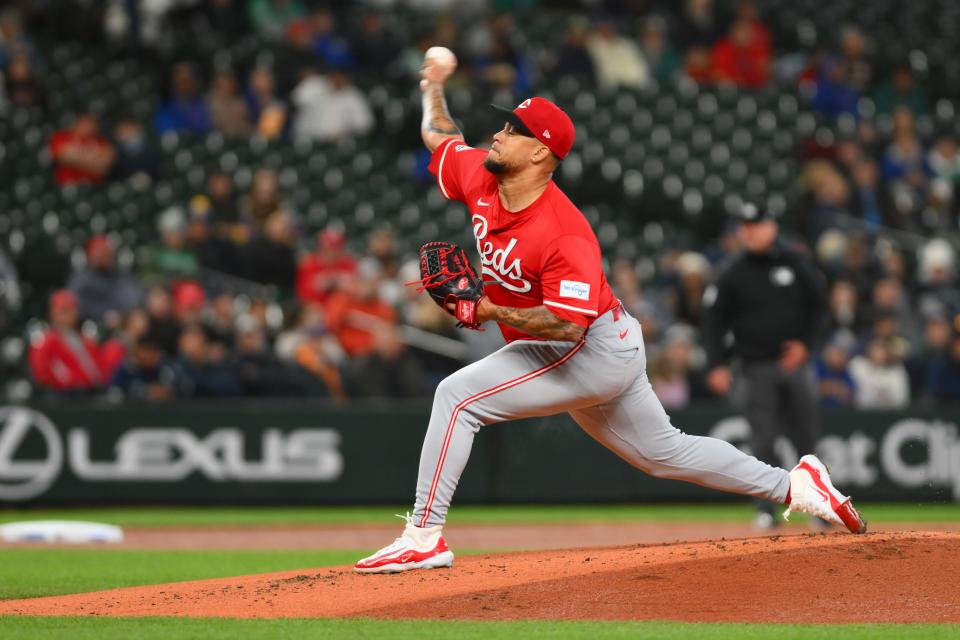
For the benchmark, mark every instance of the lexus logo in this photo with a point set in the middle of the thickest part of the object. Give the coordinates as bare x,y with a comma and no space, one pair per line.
22,479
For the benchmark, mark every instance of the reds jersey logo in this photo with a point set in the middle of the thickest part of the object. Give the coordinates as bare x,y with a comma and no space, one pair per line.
496,262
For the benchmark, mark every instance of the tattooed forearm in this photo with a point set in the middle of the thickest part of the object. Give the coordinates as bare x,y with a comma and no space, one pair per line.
538,321
437,124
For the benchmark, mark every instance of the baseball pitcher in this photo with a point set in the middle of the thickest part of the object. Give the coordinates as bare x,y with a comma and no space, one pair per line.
570,346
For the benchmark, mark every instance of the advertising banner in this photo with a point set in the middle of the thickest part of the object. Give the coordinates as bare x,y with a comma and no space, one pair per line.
278,453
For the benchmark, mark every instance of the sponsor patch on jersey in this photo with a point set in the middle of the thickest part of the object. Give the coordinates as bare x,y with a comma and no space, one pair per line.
461,147
574,289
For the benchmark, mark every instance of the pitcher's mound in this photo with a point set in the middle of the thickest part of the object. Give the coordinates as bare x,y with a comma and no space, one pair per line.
886,577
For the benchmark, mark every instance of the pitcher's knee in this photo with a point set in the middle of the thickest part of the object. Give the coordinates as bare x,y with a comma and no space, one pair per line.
450,391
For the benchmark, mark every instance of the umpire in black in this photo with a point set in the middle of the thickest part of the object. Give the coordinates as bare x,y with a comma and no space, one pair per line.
763,315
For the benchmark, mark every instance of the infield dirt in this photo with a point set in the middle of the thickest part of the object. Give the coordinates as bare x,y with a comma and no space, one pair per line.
894,577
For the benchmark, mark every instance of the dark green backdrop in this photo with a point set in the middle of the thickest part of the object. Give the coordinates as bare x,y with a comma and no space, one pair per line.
272,453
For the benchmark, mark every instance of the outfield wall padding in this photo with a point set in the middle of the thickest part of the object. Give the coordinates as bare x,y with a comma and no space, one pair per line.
298,453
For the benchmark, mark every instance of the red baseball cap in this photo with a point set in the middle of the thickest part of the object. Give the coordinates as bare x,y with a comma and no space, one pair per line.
97,243
188,294
545,121
63,299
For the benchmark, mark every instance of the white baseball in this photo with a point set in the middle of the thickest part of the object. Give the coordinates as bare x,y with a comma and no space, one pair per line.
442,57
438,64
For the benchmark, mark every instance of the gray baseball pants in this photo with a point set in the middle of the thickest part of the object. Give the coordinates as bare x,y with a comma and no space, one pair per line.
601,382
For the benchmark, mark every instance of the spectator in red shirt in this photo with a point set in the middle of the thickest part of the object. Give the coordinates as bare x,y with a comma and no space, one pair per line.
357,315
80,153
63,359
321,273
743,57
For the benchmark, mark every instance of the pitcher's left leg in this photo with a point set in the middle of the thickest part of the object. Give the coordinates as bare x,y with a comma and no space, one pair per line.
636,428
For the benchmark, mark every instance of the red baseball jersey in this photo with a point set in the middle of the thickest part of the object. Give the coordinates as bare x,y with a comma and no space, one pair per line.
543,254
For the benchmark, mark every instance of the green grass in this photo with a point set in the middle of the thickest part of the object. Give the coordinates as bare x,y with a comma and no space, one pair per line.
207,628
877,513
29,573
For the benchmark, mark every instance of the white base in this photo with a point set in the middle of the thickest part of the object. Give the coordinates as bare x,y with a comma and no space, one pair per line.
65,531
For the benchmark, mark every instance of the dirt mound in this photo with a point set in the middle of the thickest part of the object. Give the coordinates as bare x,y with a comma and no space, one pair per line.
885,577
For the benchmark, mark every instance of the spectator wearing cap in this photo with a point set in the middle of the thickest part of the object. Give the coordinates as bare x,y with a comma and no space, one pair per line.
937,275
772,300
329,107
103,290
172,258
80,154
62,358
835,384
325,270
189,302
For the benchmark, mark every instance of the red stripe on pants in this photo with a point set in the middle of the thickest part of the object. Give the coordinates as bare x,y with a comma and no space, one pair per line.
479,396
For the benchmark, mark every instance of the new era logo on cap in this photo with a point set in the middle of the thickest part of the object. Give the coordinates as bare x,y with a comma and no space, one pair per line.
553,124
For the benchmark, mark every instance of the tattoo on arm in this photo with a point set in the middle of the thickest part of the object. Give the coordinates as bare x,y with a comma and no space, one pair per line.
540,322
436,117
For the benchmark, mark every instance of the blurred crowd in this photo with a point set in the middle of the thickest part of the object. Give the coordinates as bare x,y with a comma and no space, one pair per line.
350,330
876,206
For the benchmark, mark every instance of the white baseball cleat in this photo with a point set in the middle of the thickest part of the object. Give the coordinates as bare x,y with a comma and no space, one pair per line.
812,493
417,548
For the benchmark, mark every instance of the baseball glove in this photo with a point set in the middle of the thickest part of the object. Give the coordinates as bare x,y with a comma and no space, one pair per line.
446,274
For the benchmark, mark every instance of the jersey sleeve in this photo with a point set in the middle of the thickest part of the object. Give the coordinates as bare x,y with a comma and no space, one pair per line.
571,279
454,162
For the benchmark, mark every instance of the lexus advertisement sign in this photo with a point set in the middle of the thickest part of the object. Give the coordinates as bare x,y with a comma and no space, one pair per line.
266,454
